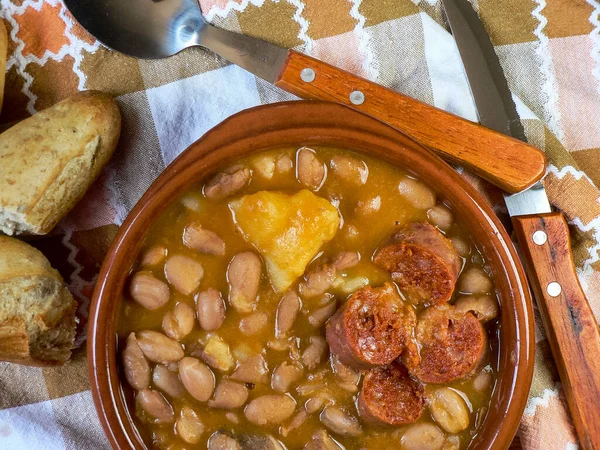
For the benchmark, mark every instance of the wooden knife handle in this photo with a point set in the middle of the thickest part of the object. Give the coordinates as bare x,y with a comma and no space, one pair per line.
508,163
567,317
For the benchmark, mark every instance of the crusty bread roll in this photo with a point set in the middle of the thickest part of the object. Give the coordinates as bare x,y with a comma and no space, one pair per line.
37,312
49,160
3,56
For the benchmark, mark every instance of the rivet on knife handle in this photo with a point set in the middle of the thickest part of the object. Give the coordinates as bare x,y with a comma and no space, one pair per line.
507,162
569,322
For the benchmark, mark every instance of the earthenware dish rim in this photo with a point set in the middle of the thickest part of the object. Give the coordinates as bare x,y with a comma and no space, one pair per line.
327,124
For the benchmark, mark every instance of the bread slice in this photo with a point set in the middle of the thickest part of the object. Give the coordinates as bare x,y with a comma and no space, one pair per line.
37,312
49,160
3,56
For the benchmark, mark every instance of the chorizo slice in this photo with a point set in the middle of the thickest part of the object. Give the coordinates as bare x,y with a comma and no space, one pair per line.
371,328
389,396
423,262
452,345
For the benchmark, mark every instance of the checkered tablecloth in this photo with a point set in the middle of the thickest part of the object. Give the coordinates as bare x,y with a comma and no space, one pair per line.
550,51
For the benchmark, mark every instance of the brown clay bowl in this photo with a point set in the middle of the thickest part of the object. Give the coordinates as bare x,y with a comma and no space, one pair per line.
325,124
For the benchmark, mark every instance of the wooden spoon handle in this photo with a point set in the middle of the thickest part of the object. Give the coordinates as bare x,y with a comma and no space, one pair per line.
507,162
567,317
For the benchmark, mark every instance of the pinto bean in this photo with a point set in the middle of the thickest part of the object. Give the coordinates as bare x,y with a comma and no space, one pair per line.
254,323
153,256
346,260
189,427
475,281
203,240
252,370
229,395
483,381
284,163
197,378
264,165
159,348
243,275
270,409
295,423
368,206
423,436
322,441
211,309
251,441
220,441
315,353
484,307
461,246
340,422
232,417
192,201
167,381
441,217
287,311
318,317
137,369
148,291
316,282
416,193
449,410
349,169
310,170
155,405
184,273
179,322
284,375
217,354
348,376
318,402
227,182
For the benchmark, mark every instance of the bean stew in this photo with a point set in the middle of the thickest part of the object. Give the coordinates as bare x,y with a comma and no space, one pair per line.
309,298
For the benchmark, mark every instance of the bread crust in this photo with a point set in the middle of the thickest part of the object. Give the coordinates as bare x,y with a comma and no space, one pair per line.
48,161
37,312
3,56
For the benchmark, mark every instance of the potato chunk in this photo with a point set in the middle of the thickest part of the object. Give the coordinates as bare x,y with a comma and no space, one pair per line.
287,230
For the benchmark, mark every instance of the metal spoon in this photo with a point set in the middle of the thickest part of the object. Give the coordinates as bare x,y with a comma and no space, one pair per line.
161,28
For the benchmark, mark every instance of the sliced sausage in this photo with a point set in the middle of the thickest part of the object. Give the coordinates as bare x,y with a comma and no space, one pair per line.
390,397
371,328
423,262
243,275
227,182
452,345
137,369
203,240
149,291
211,309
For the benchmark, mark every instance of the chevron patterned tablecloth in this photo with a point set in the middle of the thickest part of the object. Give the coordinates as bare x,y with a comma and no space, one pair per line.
550,51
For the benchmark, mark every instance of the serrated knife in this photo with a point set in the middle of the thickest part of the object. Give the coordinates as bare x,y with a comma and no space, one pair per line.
543,235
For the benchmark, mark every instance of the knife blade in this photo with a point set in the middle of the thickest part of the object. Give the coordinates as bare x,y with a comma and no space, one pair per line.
543,236
162,28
